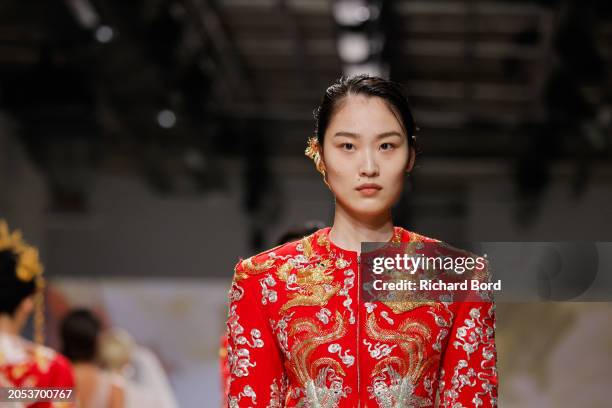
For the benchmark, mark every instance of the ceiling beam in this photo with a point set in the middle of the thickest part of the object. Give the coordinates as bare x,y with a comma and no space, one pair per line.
210,24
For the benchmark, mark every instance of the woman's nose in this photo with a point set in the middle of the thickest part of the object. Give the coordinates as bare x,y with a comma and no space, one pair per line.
369,167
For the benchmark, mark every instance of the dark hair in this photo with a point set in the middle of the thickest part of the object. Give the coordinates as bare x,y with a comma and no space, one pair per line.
12,290
80,330
391,92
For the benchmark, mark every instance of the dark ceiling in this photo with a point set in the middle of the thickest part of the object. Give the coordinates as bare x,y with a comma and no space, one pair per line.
144,82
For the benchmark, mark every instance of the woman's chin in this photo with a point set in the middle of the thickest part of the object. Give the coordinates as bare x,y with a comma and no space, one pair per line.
369,210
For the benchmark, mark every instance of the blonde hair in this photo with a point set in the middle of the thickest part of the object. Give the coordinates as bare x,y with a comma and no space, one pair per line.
116,347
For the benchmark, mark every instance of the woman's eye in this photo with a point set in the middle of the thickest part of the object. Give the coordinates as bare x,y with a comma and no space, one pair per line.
387,146
347,146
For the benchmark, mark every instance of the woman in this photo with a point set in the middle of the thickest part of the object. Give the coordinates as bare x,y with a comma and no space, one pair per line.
80,331
23,363
299,333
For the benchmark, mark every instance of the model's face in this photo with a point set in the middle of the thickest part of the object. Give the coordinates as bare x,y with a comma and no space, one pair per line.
366,156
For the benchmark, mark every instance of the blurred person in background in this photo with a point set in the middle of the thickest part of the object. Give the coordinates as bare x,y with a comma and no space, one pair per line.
146,382
298,331
24,363
96,388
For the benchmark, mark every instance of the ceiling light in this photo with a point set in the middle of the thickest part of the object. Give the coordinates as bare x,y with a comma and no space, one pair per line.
104,34
353,47
351,12
166,118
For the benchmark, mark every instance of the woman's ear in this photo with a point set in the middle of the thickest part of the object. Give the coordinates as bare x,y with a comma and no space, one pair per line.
322,158
411,159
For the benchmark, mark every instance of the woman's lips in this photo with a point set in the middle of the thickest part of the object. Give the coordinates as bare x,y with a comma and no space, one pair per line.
369,189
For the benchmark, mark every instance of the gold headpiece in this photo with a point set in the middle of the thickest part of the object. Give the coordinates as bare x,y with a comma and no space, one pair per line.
313,151
28,268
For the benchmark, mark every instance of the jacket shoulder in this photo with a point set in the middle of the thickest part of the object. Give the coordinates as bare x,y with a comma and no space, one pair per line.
482,267
266,261
443,247
55,366
416,237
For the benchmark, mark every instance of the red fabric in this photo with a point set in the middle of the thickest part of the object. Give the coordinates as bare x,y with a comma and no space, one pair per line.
299,334
40,367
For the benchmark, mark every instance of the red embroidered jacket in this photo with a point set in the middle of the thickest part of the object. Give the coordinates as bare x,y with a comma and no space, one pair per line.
300,336
25,364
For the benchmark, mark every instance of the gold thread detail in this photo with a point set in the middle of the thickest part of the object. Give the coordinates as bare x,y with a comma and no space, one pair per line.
313,151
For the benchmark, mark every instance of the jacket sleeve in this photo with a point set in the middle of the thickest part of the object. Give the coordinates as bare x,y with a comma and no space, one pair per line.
62,376
255,360
468,376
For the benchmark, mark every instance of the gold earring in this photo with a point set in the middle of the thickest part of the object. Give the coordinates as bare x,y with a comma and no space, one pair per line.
313,148
313,151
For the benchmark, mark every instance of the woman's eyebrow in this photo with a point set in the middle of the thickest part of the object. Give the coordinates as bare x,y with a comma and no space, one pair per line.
356,135
387,134
347,134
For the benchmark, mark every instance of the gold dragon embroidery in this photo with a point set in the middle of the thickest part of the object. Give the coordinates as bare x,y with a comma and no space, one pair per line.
315,376
316,284
394,378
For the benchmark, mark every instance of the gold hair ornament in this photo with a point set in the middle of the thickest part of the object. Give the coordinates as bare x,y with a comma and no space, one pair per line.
313,151
27,269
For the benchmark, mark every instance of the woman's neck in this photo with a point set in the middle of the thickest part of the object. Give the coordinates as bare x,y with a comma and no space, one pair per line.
348,231
7,325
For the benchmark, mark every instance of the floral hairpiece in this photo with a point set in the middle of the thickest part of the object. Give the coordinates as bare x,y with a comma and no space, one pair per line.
28,264
28,269
313,151
313,148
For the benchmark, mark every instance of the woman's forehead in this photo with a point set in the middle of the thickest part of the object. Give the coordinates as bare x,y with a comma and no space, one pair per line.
364,116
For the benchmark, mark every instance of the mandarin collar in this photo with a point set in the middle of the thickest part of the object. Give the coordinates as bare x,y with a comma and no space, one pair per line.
323,240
